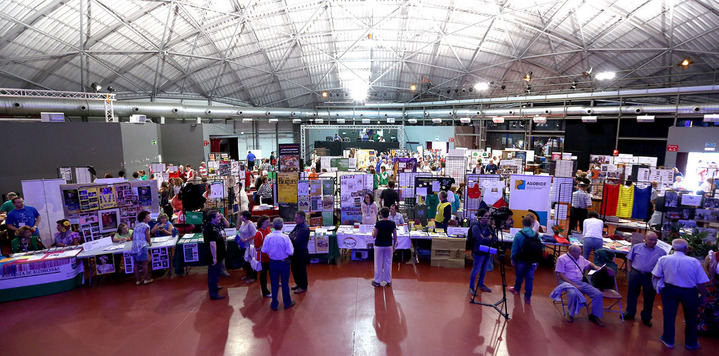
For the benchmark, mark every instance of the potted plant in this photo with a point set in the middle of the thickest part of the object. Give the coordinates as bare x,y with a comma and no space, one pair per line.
558,230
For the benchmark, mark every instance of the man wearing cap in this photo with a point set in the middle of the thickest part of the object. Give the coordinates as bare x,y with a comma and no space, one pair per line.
581,201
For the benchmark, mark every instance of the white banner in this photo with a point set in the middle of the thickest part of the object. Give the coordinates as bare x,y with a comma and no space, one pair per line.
41,272
530,193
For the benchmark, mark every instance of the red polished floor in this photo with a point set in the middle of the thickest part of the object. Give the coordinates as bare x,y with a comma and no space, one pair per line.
425,312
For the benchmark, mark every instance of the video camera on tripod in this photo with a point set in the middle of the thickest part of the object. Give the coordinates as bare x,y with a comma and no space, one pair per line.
500,216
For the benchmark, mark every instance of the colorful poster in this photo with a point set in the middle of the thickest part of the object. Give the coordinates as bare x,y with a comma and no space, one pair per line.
104,264
107,198
144,196
191,252
109,220
123,194
289,156
88,198
287,187
71,200
129,263
529,193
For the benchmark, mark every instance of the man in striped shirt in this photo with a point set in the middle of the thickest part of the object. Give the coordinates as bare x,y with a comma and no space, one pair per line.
581,201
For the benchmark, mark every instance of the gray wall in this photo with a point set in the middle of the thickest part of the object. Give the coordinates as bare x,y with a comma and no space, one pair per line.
140,146
33,150
181,144
689,139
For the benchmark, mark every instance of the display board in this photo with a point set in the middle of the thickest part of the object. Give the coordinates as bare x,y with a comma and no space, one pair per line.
479,186
45,196
404,165
96,210
316,197
529,193
352,188
340,164
406,184
455,167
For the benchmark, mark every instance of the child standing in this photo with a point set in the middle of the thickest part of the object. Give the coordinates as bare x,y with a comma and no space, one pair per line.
140,245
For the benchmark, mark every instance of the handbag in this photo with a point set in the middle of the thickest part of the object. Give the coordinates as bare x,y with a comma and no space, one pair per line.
584,275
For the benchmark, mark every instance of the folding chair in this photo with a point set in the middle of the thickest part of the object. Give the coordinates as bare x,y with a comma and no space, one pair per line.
615,297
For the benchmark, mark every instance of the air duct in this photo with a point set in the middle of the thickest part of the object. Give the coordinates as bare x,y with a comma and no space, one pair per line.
14,106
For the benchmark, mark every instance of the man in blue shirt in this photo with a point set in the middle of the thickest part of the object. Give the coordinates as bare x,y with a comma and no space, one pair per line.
250,160
641,260
300,236
22,216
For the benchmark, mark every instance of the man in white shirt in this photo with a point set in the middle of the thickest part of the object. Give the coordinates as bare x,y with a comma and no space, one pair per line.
678,184
706,187
279,248
679,279
593,230
570,268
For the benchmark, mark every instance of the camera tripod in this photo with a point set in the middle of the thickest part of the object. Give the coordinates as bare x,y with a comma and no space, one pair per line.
501,304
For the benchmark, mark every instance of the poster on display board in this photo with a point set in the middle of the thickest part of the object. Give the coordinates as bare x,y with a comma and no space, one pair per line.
160,258
129,263
405,165
529,193
289,157
71,201
352,188
107,198
340,164
600,159
109,219
217,190
104,264
287,185
224,169
475,191
88,198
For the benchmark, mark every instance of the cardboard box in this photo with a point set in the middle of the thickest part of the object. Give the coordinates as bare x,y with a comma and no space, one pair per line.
449,263
445,243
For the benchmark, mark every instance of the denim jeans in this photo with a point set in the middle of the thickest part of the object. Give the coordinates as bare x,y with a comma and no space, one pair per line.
280,269
213,275
479,267
591,292
689,299
591,244
524,270
640,281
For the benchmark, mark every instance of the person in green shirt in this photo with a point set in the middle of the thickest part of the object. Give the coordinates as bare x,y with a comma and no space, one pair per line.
8,206
383,177
25,241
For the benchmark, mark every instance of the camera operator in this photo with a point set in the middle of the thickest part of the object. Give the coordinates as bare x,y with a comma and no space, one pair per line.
480,238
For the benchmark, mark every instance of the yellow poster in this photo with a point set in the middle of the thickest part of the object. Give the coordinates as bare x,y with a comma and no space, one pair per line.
107,197
287,187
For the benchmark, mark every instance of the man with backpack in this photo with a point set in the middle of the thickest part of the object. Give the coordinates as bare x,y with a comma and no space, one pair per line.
527,250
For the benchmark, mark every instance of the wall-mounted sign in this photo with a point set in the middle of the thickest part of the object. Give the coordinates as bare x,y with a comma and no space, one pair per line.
672,148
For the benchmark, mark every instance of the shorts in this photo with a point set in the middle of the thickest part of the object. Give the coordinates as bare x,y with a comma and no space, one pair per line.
142,255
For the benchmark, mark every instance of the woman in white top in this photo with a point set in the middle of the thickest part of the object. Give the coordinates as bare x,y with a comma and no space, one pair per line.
369,210
593,230
395,216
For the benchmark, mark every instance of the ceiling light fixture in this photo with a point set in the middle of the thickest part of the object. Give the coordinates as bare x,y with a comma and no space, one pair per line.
325,94
540,120
481,86
685,63
527,77
413,87
359,90
645,118
498,120
412,121
711,118
341,121
605,75
437,120
465,120
586,119
95,87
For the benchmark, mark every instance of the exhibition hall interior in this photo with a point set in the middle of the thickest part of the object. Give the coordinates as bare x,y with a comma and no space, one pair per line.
359,177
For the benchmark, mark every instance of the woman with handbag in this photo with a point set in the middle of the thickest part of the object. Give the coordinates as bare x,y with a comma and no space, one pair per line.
245,234
264,229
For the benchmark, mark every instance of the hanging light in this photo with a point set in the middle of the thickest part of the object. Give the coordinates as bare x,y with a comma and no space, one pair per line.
540,119
645,118
498,120
685,63
605,75
413,87
481,86
325,94
587,119
527,77
95,87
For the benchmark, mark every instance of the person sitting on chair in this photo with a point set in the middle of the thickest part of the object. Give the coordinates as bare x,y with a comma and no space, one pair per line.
570,269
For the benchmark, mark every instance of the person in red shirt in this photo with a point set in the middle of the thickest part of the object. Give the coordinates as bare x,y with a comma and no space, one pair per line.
263,229
189,172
